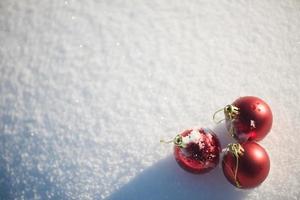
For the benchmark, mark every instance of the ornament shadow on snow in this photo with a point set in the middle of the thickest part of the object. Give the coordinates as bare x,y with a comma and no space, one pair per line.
166,180
43,187
39,187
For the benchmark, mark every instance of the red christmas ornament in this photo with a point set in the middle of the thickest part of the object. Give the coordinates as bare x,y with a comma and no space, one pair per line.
246,165
248,119
197,150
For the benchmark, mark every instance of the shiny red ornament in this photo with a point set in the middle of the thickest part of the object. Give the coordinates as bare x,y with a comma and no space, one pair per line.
248,118
246,165
197,150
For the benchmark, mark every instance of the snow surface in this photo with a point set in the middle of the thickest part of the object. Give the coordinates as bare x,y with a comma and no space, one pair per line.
88,88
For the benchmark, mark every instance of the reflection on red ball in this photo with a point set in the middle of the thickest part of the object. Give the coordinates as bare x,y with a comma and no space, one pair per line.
253,121
252,168
200,151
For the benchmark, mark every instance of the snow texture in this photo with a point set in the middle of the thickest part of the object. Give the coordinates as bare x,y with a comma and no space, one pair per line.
88,88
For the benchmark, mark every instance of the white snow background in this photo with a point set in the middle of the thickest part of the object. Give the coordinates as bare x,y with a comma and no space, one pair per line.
88,88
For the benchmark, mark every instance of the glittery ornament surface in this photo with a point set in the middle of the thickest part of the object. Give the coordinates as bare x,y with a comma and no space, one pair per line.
200,152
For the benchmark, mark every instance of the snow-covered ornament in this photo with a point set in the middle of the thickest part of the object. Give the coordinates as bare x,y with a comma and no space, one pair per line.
197,150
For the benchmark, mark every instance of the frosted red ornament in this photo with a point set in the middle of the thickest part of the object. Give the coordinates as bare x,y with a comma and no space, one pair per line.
248,118
197,150
246,165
